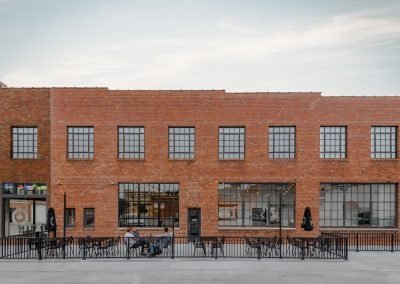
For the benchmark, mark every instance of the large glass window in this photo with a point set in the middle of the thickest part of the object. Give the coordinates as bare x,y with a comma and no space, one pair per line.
231,143
24,142
383,142
357,205
181,142
282,142
332,142
256,205
131,142
148,204
80,142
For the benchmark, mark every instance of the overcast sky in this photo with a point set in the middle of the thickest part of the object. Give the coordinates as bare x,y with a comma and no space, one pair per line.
337,47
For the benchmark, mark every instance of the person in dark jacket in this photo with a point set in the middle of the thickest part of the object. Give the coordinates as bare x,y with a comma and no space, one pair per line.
307,224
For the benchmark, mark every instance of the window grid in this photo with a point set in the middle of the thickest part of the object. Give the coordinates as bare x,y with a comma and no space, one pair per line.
255,205
148,204
282,142
24,142
231,143
131,142
358,205
181,142
333,142
70,217
88,216
80,142
383,142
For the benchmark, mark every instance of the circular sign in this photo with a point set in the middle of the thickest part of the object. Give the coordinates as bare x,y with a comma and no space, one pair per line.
19,217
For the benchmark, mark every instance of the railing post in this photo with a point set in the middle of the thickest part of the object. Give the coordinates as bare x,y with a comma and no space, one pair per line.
392,242
128,248
280,247
39,248
258,248
302,249
63,248
357,241
346,250
173,248
84,249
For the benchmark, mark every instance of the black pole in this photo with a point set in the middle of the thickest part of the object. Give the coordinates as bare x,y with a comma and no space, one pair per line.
280,222
173,226
65,221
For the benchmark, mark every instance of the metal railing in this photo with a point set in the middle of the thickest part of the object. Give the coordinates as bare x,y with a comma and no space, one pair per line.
327,247
369,241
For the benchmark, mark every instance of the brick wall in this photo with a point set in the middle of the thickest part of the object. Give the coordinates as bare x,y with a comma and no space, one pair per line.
93,183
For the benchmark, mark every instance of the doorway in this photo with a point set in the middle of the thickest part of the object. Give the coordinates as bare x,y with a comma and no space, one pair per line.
194,222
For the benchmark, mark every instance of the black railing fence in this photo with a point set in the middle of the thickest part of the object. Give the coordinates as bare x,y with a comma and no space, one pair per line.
369,241
324,247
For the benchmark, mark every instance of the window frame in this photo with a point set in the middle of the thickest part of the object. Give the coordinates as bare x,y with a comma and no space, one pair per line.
67,217
141,143
275,154
34,140
85,217
241,155
323,142
192,143
373,143
90,143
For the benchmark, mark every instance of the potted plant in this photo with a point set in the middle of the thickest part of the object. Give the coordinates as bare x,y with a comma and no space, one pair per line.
29,189
20,189
41,189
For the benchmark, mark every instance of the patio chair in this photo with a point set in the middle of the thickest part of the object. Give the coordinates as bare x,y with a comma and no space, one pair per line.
218,244
272,247
199,244
252,246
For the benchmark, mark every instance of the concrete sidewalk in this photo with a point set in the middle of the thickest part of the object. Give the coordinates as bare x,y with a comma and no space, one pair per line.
361,268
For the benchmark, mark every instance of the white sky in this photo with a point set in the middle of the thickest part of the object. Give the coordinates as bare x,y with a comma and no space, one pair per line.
338,47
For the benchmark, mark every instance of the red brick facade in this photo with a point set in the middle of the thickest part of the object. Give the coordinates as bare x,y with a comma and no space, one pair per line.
94,183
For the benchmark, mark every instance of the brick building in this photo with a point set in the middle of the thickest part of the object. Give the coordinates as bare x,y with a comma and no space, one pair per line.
216,163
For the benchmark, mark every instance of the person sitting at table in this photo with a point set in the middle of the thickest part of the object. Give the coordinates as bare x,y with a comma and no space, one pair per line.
133,240
162,241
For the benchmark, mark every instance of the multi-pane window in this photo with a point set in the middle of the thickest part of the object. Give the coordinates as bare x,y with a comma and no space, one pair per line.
231,143
70,217
332,142
256,205
181,142
80,142
24,142
131,142
383,142
282,140
88,217
357,205
148,204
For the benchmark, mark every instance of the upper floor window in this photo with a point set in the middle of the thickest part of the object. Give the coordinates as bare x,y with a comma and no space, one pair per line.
24,143
332,142
383,142
181,142
80,142
88,217
131,142
231,143
70,217
282,142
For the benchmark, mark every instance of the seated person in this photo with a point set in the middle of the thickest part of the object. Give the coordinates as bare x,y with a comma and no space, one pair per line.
161,242
133,240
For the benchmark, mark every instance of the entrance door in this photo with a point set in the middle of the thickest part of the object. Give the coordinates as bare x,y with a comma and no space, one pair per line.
194,222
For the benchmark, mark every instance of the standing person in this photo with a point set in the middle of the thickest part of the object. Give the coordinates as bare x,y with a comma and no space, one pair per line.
133,240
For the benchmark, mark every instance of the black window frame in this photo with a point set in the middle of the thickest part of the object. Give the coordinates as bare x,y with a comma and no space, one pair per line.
29,147
393,136
331,133
142,198
175,151
226,147
73,152
86,214
131,136
364,218
269,195
274,136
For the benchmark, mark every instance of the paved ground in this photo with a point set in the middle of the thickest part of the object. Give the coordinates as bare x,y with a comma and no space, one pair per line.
361,268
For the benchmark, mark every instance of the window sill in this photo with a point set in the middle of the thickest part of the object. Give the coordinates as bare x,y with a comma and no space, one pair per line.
147,228
130,160
359,229
80,159
388,160
181,160
256,228
231,160
334,160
